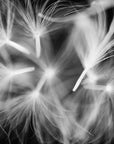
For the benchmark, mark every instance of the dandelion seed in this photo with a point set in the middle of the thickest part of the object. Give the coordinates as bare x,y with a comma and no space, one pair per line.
6,32
96,51
34,25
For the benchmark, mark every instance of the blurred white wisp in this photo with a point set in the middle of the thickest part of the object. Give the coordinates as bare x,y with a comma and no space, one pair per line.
93,43
103,3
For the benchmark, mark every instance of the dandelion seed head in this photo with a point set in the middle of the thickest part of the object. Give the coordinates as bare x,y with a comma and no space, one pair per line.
37,34
34,94
49,73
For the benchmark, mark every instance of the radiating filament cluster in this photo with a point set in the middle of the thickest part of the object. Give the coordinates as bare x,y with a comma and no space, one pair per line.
56,71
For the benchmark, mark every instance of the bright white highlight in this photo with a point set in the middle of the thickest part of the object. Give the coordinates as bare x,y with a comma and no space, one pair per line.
49,73
109,88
